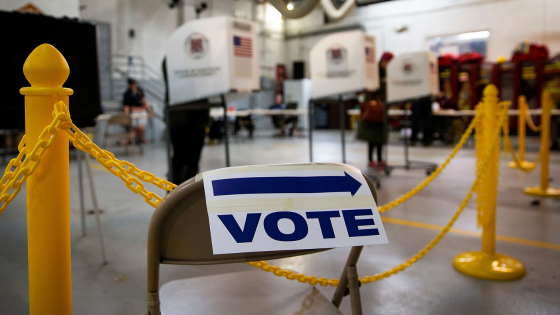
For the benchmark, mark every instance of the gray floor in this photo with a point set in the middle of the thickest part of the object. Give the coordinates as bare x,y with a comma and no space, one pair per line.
431,286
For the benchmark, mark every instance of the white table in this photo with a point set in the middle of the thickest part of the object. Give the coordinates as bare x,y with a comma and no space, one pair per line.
219,112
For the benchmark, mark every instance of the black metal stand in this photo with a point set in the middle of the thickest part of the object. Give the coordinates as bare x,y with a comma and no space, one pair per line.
342,128
413,165
311,127
226,137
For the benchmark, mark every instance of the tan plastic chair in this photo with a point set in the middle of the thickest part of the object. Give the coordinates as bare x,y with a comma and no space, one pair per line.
179,234
118,120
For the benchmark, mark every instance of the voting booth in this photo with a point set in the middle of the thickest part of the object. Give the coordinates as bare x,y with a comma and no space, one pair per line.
210,57
412,76
344,62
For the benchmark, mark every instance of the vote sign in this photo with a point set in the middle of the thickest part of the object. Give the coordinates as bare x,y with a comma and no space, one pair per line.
289,207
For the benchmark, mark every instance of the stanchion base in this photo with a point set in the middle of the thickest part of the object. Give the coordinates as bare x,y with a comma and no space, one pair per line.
538,192
489,266
524,164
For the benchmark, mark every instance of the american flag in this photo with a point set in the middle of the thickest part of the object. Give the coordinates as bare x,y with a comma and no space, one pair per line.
370,54
242,46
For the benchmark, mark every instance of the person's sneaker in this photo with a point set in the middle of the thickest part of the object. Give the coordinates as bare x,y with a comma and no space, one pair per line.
373,164
382,163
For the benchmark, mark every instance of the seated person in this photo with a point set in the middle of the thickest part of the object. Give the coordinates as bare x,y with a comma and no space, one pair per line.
280,121
244,122
135,102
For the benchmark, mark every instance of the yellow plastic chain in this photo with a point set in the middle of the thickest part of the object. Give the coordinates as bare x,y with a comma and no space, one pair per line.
313,280
127,172
438,170
508,148
14,179
531,124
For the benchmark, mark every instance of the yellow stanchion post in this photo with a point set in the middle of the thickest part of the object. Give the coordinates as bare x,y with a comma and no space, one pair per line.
521,132
544,190
487,264
48,197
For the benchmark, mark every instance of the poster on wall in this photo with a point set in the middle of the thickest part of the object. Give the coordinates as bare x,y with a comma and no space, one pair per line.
209,57
411,76
344,62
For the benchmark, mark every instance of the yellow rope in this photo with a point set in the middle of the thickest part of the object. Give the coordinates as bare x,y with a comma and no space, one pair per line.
313,280
12,180
131,176
531,124
438,170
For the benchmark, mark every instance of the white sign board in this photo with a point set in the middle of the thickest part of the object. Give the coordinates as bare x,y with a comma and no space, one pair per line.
212,56
344,62
411,76
290,207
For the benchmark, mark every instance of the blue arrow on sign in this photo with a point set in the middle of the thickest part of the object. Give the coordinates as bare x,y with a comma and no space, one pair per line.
285,185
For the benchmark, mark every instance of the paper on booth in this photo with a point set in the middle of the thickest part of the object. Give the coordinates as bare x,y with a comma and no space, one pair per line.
289,207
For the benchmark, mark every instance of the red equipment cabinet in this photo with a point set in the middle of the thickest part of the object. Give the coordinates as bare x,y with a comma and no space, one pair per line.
448,81
467,85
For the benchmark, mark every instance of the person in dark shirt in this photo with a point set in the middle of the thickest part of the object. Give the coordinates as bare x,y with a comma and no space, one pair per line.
280,121
135,102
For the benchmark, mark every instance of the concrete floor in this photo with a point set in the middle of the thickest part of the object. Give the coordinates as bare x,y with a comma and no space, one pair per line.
431,286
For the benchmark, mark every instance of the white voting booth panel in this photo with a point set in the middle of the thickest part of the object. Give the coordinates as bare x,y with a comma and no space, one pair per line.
212,56
411,76
344,62
298,91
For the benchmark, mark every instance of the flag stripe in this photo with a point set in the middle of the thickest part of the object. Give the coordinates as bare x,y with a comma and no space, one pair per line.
242,46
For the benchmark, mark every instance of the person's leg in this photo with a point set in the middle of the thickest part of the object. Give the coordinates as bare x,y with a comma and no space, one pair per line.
141,131
179,160
250,126
427,129
414,122
294,121
282,120
194,151
379,152
370,151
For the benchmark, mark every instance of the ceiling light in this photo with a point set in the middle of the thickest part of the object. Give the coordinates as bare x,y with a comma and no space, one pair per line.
290,6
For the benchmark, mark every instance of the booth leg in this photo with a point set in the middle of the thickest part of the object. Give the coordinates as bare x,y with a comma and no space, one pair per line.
342,128
311,126
226,138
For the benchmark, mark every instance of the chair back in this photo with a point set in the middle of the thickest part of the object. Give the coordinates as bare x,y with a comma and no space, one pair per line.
179,234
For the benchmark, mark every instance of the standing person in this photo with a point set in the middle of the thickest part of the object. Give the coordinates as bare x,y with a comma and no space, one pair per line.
422,120
385,58
373,125
187,126
373,128
135,102
187,131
